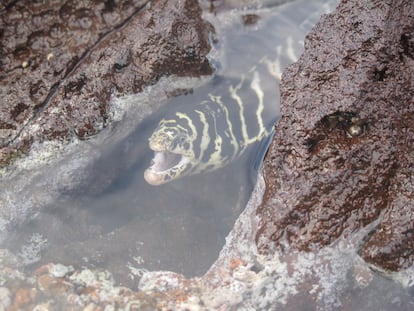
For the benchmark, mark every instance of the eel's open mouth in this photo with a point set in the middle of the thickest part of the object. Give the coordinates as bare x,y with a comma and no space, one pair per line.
162,166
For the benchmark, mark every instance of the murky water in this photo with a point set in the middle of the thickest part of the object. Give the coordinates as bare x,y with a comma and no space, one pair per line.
113,219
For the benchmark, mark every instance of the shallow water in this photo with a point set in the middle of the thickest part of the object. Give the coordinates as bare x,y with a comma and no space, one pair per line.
116,220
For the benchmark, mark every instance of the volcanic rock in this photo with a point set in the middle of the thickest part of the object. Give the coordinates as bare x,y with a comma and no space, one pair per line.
342,156
61,62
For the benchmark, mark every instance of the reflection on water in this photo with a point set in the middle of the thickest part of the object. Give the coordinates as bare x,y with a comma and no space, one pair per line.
118,221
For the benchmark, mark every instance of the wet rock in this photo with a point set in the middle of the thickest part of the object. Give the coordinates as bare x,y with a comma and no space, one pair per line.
22,298
59,287
342,155
61,61
223,5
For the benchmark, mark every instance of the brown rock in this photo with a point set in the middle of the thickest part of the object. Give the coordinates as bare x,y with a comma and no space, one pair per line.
22,297
65,30
343,149
61,61
52,286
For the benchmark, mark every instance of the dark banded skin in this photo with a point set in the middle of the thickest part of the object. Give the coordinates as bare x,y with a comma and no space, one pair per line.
211,134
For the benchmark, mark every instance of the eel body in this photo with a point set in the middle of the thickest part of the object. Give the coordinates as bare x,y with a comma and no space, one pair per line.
214,132
240,112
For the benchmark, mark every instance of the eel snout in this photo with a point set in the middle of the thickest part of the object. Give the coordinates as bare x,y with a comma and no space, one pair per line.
161,166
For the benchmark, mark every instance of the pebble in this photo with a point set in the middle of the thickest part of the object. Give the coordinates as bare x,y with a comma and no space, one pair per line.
22,298
90,307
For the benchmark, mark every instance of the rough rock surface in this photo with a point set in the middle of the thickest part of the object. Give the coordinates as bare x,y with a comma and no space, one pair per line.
343,152
223,5
61,61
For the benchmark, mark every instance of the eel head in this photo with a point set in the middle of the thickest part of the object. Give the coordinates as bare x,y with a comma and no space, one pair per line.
173,155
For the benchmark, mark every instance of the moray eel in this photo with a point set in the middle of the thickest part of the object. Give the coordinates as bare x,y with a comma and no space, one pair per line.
212,133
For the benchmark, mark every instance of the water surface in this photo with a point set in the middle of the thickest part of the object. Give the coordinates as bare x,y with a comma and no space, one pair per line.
116,220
